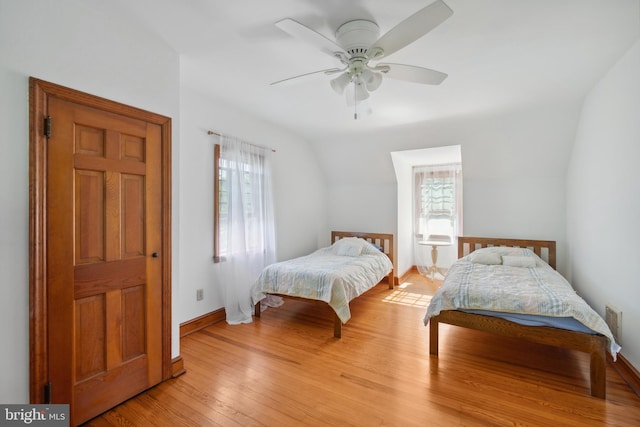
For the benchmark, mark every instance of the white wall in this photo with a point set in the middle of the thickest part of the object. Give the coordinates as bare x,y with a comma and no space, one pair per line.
513,166
299,192
603,199
68,43
362,208
404,247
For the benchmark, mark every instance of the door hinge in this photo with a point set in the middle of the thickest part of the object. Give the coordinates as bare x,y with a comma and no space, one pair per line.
47,126
47,393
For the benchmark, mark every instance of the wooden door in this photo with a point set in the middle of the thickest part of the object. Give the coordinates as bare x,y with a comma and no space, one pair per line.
104,231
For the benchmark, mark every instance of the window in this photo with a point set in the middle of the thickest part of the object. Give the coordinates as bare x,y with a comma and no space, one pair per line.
247,173
437,201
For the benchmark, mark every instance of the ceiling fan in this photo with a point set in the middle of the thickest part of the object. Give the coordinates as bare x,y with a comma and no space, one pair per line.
357,45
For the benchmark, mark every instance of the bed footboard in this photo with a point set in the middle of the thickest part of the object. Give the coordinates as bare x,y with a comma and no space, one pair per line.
337,323
337,326
433,335
595,345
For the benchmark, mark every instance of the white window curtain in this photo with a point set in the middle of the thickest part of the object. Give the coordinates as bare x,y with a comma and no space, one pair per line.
437,213
247,228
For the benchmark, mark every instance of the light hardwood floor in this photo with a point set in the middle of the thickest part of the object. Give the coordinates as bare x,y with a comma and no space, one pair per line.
286,369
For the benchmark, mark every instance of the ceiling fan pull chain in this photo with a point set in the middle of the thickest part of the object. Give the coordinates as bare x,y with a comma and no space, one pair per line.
355,103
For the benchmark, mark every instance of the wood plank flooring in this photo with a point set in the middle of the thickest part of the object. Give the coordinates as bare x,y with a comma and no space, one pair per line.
286,369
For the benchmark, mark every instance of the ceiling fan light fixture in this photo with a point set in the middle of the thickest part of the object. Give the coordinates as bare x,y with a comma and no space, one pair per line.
371,80
361,92
357,94
340,83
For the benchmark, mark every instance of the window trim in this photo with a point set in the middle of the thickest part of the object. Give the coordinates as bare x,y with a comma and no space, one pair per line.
216,204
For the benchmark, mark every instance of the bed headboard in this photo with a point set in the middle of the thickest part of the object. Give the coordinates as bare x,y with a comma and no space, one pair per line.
545,249
381,239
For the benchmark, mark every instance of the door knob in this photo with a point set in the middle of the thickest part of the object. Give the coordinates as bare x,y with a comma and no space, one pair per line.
155,255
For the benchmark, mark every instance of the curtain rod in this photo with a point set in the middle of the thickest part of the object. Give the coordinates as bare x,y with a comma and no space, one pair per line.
210,132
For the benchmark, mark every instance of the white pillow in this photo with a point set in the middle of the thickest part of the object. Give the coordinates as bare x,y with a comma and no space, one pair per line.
519,261
350,246
488,258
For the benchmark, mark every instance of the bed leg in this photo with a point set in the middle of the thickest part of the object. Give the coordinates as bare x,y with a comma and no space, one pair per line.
391,280
433,336
598,375
337,326
257,309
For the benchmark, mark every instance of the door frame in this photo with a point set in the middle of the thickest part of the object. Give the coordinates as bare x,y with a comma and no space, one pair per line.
39,93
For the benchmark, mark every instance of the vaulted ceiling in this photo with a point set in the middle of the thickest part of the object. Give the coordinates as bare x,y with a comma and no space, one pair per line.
498,54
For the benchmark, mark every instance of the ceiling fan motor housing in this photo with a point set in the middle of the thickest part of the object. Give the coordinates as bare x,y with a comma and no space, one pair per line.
357,36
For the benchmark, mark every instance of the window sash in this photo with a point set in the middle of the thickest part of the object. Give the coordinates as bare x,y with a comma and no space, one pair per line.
223,173
435,210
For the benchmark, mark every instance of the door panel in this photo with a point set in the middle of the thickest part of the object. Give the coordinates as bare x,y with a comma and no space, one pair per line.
132,215
89,216
90,337
104,215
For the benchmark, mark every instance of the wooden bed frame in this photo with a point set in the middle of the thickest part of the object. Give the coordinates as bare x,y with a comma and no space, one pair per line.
595,345
381,239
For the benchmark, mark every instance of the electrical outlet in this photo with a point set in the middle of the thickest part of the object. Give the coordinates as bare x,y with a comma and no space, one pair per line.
613,317
199,294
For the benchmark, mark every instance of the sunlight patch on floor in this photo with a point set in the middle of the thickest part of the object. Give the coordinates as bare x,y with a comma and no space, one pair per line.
411,294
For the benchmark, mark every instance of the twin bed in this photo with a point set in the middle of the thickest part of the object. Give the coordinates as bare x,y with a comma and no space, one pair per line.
505,287
353,263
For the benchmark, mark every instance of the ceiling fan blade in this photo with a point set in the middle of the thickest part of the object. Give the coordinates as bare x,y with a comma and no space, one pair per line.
301,31
412,28
327,71
411,73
